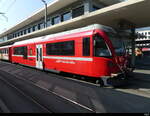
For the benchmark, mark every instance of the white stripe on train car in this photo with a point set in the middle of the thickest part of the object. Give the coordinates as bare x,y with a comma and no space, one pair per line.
69,58
31,56
18,55
61,58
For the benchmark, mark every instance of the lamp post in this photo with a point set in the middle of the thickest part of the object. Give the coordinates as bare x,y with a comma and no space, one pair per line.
45,22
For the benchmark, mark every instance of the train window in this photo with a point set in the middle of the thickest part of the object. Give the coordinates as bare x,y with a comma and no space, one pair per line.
30,52
86,46
100,47
78,11
21,51
118,44
6,52
61,48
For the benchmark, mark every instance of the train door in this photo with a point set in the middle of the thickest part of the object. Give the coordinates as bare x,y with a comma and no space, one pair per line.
39,56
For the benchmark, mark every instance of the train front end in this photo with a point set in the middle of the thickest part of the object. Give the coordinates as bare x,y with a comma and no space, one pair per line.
110,52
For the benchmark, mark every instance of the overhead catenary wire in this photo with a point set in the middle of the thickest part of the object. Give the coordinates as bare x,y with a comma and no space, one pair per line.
7,10
10,6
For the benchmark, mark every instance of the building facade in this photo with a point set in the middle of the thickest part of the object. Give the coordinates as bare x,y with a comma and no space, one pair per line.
143,39
58,11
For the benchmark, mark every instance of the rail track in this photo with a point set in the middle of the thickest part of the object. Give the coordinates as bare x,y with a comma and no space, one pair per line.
33,93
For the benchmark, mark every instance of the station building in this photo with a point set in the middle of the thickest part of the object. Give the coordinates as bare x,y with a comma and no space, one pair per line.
143,39
57,12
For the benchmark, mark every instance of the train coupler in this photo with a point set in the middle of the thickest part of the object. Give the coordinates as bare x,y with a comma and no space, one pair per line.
116,80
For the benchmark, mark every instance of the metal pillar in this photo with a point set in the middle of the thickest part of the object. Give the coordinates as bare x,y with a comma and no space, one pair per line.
133,58
45,22
87,6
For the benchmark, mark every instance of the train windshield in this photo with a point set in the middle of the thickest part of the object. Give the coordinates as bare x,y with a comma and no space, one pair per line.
118,44
101,49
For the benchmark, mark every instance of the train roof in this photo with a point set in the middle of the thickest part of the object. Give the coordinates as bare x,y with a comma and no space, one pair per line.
45,38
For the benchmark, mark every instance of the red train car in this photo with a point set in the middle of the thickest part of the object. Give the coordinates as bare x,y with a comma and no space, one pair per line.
94,51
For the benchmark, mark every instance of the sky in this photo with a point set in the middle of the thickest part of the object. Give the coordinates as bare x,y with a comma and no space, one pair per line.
17,10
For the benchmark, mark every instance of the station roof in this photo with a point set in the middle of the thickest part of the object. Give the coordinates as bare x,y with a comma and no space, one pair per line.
133,13
51,8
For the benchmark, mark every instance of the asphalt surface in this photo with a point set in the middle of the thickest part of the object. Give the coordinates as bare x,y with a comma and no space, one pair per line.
27,98
53,91
10,96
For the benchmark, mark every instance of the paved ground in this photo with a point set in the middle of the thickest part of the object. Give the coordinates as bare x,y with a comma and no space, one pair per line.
20,96
10,96
139,84
133,98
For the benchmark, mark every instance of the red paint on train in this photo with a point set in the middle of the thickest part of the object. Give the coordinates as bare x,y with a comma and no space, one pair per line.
83,59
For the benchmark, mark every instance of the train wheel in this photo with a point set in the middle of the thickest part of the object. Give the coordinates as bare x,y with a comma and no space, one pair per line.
100,82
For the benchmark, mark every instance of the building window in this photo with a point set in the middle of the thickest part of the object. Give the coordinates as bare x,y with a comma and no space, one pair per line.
49,22
40,26
25,32
62,48
15,34
86,46
21,32
34,28
66,16
18,34
78,12
55,20
29,30
94,8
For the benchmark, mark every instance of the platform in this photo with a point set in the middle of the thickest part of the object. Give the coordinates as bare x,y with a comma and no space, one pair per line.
99,100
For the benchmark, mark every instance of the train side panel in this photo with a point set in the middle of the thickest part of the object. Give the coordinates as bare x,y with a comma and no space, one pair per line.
27,59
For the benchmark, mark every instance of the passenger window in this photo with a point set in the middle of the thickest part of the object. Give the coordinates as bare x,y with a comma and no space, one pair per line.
100,47
61,48
21,51
86,46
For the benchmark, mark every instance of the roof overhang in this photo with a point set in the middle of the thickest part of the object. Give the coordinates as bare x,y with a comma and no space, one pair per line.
131,11
51,8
